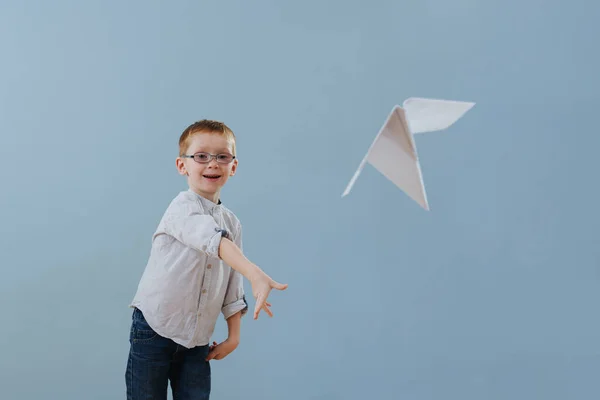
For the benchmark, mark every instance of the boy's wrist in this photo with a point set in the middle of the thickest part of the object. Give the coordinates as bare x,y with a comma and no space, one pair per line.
256,273
235,339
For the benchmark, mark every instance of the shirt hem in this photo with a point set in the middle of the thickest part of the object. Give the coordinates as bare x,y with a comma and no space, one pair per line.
185,343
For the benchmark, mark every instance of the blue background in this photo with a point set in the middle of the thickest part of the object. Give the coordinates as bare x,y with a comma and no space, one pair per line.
493,294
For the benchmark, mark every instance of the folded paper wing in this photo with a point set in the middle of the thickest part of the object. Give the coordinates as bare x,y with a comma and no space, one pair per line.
394,153
430,115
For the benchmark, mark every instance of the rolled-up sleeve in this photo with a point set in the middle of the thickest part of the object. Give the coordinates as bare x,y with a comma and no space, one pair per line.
184,221
235,299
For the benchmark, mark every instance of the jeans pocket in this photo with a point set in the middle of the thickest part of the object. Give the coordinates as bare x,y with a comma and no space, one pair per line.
139,335
141,330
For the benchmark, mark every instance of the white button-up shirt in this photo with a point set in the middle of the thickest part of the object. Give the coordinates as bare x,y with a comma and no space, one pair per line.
185,284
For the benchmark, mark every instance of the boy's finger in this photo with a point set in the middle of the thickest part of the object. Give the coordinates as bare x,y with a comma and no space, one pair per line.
212,351
260,302
268,311
280,286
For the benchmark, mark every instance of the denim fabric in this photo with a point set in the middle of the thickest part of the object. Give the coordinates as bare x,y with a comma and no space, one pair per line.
154,361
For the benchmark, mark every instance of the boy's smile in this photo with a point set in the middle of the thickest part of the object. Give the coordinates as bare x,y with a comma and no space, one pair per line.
207,178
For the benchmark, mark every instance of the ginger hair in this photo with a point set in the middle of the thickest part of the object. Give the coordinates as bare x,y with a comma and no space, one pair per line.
205,126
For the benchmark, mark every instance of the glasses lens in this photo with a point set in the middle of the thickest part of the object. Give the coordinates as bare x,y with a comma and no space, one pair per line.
224,158
201,157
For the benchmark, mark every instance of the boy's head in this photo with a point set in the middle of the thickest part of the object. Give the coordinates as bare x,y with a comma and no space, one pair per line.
207,157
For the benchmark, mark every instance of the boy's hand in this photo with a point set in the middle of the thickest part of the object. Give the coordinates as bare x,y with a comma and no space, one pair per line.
261,287
221,350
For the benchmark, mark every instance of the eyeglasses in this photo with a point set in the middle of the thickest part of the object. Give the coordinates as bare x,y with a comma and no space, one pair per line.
204,158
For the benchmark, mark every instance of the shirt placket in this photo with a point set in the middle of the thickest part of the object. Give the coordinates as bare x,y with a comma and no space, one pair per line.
204,290
206,285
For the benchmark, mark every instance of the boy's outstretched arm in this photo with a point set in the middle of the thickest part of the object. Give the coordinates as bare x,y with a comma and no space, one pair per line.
185,221
262,284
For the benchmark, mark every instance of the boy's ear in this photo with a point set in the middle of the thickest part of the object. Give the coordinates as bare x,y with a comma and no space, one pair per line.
181,166
233,167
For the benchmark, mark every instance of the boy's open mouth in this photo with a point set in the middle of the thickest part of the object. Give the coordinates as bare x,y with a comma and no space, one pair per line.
210,176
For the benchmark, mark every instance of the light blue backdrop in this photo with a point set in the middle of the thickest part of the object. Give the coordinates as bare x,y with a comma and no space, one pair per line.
491,295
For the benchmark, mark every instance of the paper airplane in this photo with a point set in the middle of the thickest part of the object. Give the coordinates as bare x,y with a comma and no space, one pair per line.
394,153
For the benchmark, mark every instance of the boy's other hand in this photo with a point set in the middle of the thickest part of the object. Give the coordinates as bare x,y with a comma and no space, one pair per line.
261,287
221,350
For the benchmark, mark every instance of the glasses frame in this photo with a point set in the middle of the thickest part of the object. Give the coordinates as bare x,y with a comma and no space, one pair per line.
210,157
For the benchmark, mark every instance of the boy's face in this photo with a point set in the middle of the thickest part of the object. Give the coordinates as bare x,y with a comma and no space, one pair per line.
207,179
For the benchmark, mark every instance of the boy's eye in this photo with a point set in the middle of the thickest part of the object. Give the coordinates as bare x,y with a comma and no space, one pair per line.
224,157
201,156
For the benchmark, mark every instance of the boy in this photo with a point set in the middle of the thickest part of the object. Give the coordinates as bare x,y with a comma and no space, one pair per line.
195,271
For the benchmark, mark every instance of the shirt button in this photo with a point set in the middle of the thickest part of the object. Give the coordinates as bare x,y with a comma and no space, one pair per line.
203,290
209,266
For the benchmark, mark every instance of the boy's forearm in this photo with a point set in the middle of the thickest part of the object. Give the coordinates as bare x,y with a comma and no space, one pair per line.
233,256
233,326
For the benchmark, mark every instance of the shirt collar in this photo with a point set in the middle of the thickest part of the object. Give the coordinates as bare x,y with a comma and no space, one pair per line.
210,205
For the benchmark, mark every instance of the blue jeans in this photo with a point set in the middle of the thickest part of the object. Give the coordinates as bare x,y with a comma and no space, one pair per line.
155,360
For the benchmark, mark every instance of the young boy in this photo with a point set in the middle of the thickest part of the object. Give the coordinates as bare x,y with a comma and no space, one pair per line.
195,271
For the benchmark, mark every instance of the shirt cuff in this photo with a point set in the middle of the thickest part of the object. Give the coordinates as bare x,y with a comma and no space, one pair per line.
235,307
214,242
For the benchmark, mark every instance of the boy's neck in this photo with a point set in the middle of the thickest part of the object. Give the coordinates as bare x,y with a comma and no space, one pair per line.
213,199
